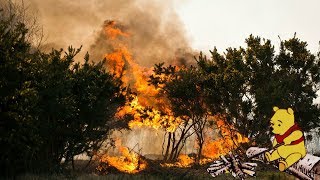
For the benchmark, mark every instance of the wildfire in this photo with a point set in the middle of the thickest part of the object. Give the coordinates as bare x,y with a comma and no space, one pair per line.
148,110
128,162
121,63
230,140
113,32
184,161
213,148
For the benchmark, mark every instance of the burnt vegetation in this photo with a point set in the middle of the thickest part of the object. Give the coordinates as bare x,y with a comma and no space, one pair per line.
52,108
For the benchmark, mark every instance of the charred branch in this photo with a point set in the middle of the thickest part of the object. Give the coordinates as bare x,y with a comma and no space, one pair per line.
232,164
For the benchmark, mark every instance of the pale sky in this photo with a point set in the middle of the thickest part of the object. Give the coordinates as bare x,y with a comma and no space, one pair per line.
225,23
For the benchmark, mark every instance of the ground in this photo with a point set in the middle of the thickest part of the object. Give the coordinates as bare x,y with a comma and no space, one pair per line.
264,172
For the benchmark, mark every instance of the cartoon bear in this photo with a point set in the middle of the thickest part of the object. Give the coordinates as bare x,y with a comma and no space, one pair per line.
289,140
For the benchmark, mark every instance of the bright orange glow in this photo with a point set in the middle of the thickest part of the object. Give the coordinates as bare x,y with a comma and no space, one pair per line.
151,118
129,161
113,32
184,161
230,140
122,64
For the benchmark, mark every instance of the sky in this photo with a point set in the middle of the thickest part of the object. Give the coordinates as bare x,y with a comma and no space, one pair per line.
226,23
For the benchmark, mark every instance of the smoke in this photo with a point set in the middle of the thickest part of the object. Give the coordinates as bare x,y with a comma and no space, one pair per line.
156,32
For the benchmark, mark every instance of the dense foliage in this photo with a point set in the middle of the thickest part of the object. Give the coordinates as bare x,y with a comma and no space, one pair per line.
244,84
51,108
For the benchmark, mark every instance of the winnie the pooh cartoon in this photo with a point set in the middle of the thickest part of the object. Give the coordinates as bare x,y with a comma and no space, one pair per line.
289,140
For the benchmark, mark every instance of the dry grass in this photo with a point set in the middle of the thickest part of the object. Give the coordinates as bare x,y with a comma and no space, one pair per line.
262,176
266,175
156,172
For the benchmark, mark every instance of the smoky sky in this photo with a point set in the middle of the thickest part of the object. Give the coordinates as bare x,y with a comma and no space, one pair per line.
156,32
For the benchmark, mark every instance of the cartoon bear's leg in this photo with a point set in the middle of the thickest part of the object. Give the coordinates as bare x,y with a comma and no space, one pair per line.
273,156
290,160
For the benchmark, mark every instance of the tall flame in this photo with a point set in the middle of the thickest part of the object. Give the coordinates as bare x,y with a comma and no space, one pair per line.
121,63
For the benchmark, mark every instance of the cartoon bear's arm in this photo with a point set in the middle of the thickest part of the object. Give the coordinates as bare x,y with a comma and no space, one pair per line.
274,142
295,135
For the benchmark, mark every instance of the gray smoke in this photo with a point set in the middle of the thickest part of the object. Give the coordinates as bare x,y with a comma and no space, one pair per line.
157,34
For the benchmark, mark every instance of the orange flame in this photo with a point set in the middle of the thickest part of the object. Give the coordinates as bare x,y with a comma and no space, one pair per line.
213,148
184,161
113,32
151,117
129,161
121,63
230,140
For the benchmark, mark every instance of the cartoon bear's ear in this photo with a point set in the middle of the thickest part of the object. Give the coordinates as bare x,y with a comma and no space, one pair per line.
290,111
275,108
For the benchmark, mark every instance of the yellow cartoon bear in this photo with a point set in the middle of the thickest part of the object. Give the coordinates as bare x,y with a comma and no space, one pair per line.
288,141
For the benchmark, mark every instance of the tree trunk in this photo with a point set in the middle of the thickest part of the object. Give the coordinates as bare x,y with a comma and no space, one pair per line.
165,158
179,151
199,156
173,146
72,161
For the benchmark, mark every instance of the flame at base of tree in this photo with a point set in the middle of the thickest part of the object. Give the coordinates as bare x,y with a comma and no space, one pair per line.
128,162
184,161
213,148
229,141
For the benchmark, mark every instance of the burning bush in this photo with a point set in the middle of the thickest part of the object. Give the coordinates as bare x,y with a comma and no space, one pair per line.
129,161
230,139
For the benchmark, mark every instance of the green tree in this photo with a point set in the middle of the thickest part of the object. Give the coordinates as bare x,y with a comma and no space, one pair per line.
50,107
244,84
76,104
16,96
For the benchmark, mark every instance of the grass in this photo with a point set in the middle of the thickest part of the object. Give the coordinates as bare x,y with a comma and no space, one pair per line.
263,175
156,172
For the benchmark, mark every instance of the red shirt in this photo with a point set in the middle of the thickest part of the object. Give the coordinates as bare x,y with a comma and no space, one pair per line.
293,128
